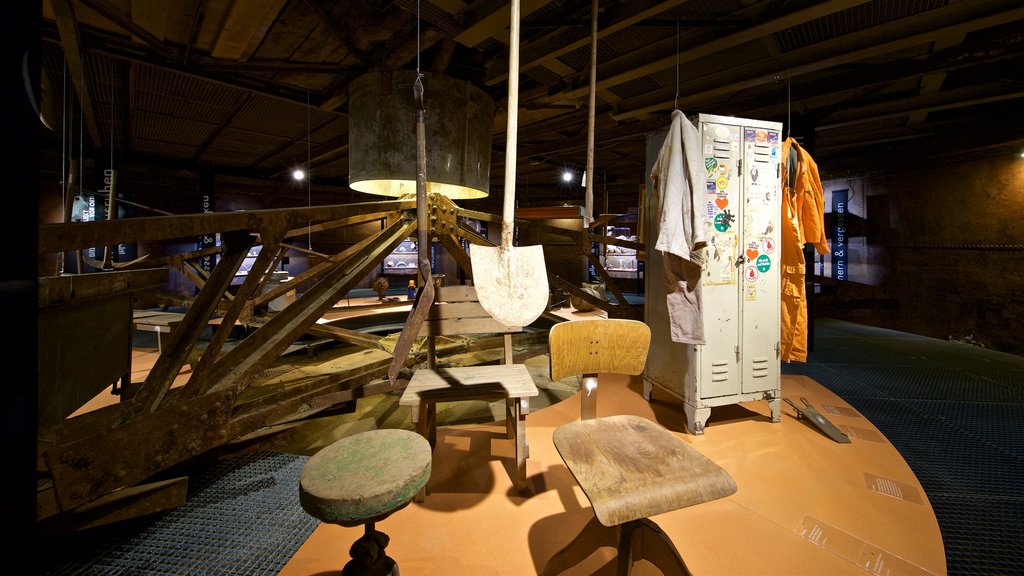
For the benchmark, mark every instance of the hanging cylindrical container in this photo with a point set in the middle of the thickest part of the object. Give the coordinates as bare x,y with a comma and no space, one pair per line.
458,118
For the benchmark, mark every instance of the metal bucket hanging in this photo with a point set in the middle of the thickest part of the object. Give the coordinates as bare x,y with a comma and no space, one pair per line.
459,124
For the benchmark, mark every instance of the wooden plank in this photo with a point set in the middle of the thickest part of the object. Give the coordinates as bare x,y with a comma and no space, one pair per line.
457,326
469,382
446,310
121,456
456,293
121,505
55,238
156,321
55,290
345,335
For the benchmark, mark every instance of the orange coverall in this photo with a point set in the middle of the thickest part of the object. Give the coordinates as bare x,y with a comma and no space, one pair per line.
803,221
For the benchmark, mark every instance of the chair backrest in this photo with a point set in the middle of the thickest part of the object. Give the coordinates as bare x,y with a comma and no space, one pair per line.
589,347
614,345
456,310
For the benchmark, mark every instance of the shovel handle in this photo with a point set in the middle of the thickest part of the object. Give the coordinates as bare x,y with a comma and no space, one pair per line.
511,131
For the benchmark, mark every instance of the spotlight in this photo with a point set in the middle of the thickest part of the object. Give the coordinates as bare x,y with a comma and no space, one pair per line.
298,174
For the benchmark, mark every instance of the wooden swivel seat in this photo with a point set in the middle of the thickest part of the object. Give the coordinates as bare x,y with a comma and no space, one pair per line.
360,480
629,467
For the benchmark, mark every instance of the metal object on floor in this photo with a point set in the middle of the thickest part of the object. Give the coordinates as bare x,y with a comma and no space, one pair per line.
809,412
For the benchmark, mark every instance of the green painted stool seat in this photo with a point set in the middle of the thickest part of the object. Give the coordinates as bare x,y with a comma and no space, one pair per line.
362,479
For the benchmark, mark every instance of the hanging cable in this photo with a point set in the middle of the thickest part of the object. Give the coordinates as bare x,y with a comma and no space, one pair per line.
309,177
675,101
789,104
418,86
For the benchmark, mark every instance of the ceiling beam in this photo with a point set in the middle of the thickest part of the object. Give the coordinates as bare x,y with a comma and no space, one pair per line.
953,20
546,50
110,12
709,48
70,40
492,21
245,28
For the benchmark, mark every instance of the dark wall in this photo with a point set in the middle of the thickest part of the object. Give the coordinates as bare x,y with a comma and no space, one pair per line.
945,242
950,242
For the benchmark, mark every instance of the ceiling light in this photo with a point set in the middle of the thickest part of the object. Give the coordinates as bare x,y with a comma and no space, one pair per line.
567,176
458,119
298,174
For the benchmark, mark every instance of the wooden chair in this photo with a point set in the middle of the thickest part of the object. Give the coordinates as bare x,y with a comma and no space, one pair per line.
629,467
456,311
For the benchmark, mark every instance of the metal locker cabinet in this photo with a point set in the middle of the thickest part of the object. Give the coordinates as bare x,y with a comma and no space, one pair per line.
740,199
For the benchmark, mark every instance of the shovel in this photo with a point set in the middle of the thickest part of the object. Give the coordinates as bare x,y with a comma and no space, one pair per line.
425,297
511,282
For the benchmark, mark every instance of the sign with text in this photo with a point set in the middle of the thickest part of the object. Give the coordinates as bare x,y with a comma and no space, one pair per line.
839,239
206,188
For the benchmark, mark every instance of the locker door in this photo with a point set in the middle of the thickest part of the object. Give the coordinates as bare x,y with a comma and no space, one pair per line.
759,301
719,362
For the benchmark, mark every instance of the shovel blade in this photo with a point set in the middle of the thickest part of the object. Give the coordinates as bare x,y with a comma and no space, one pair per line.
511,282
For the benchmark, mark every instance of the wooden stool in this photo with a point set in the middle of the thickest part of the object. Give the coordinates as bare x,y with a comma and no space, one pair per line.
631,468
362,479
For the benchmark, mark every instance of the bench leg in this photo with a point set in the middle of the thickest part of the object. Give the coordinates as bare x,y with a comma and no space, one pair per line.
522,449
424,417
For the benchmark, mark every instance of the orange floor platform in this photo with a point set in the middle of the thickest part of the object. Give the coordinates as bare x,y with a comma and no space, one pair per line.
804,505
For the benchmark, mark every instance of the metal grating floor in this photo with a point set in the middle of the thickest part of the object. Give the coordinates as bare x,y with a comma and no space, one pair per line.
955,412
242,517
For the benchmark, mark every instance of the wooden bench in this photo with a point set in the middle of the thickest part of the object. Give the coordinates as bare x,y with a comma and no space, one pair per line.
160,322
456,310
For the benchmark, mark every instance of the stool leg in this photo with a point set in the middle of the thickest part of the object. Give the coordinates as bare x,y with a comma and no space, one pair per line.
368,556
593,536
625,555
657,548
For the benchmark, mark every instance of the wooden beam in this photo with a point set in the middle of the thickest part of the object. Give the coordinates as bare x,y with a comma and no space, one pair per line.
709,48
546,50
55,238
70,40
952,20
494,22
345,335
245,27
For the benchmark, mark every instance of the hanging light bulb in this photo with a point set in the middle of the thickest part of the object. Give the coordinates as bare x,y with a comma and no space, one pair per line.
299,174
